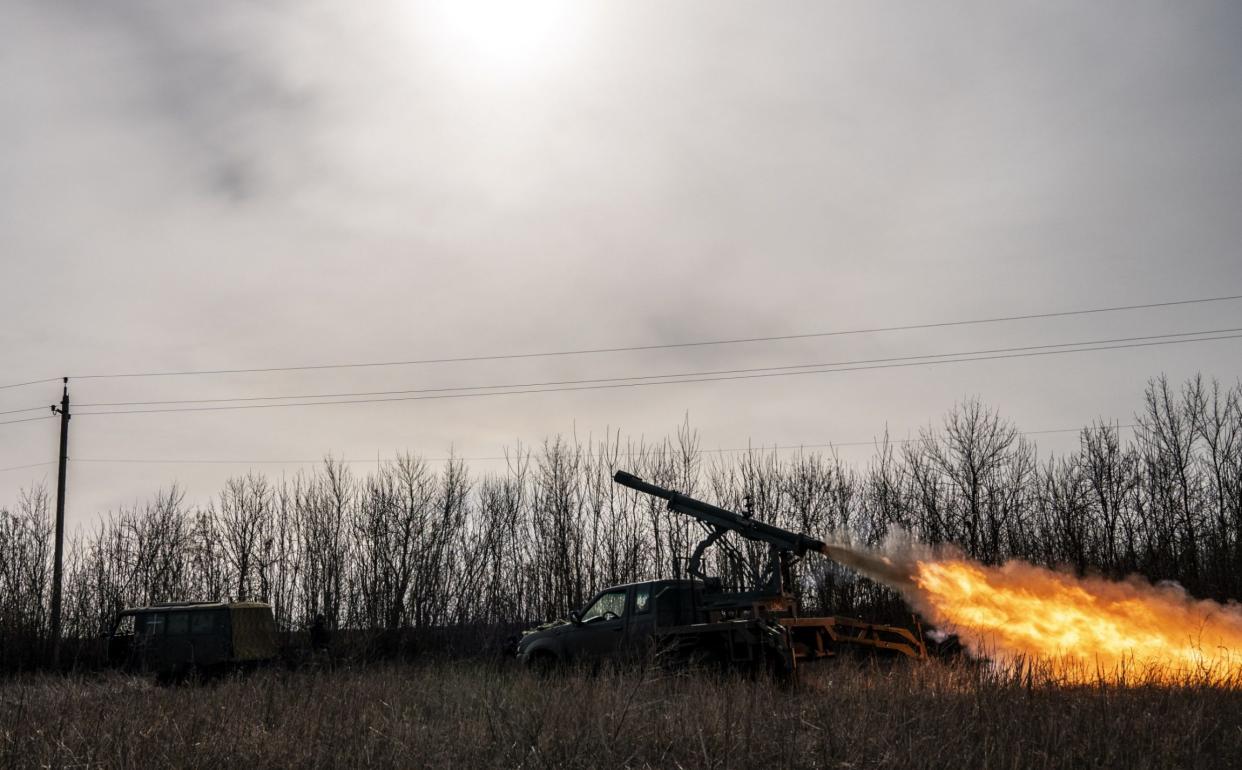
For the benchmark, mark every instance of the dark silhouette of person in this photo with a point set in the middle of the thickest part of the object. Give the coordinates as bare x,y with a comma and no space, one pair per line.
320,636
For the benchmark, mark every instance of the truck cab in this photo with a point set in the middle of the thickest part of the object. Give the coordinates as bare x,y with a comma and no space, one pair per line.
617,622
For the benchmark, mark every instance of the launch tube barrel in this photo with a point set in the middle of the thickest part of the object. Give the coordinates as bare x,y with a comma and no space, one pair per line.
723,518
633,482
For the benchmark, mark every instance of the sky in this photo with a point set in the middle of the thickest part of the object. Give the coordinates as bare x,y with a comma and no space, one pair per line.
271,183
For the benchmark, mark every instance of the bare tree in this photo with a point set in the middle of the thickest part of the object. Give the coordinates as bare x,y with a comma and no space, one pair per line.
976,448
243,521
406,547
1166,437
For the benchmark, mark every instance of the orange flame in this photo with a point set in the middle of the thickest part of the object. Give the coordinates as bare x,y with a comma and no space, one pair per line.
1084,628
1081,630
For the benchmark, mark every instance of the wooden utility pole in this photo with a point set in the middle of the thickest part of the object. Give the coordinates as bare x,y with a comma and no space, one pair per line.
63,410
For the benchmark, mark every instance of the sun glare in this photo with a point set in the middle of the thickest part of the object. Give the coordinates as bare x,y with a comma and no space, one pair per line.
499,39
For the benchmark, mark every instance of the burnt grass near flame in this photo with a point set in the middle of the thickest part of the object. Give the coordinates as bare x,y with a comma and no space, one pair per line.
840,715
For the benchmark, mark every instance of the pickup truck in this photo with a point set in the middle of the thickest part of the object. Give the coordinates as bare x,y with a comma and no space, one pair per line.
678,619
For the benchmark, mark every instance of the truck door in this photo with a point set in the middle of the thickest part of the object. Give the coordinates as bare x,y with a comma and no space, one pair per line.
601,626
209,631
148,644
121,640
642,619
177,647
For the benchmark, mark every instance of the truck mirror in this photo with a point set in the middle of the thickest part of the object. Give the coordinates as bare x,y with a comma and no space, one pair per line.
576,618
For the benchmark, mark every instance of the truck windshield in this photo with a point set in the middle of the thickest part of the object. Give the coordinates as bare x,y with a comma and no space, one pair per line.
612,603
149,624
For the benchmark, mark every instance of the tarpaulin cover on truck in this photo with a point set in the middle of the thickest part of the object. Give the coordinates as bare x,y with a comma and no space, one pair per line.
254,631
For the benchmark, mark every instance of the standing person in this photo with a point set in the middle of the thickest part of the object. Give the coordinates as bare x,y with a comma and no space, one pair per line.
320,636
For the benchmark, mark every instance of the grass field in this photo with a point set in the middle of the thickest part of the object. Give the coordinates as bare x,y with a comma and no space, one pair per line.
842,715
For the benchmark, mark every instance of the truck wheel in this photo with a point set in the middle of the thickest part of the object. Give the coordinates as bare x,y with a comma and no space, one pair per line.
543,663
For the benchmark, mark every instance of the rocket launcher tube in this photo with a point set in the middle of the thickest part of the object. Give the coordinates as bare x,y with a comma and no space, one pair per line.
725,519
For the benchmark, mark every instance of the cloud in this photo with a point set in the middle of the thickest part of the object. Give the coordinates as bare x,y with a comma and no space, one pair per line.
279,182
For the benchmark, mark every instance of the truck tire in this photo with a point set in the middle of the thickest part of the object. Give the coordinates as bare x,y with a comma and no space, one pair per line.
543,663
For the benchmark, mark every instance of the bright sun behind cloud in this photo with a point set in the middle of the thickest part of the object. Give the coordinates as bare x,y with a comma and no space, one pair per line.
495,39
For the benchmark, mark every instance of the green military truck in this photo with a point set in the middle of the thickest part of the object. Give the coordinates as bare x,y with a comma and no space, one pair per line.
174,640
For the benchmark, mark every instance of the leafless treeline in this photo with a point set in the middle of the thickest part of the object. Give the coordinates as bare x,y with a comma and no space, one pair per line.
410,545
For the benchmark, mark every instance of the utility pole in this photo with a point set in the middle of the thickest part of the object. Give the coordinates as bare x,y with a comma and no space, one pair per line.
63,411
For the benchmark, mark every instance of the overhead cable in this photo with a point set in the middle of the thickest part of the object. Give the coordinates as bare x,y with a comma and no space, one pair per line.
27,419
29,382
550,383
27,409
647,347
616,385
31,465
632,453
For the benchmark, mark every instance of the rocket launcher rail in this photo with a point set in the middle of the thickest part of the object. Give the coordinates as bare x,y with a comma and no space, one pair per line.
744,526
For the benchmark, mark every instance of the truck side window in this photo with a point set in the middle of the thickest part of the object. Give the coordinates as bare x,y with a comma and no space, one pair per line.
642,599
178,623
153,625
203,623
611,602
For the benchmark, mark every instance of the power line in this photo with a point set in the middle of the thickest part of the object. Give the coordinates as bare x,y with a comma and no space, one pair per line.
632,453
551,383
31,465
29,382
665,382
27,419
27,409
642,384
637,348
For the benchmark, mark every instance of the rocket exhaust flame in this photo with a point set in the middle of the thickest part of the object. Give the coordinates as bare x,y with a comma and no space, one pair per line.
1080,630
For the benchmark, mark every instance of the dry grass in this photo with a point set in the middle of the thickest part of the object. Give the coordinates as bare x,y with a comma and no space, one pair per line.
461,715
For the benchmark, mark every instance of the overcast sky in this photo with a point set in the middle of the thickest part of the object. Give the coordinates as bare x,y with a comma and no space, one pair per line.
280,183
